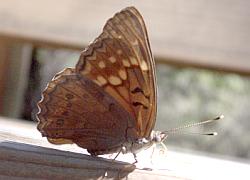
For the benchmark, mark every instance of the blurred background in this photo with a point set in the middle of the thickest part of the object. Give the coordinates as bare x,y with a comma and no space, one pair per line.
201,48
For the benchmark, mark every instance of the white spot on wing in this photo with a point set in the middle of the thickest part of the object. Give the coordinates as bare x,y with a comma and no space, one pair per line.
122,74
126,63
101,80
114,80
144,65
101,64
112,59
87,68
119,51
133,61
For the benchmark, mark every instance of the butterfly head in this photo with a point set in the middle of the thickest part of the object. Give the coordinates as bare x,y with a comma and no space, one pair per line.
158,136
145,143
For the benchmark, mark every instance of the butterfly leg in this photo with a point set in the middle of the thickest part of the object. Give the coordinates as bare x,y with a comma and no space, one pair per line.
117,154
151,156
164,147
135,157
106,173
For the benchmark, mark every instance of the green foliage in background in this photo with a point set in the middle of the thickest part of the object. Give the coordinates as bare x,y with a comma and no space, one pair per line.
189,95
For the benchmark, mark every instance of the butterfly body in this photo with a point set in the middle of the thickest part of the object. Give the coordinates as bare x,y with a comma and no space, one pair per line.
107,103
134,146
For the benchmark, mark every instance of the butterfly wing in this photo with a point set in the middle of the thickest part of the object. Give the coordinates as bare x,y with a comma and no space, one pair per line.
121,62
76,110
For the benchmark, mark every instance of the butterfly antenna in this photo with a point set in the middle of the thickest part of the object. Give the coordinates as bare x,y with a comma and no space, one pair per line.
178,129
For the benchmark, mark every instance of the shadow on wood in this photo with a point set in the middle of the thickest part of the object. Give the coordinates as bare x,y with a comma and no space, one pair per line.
31,161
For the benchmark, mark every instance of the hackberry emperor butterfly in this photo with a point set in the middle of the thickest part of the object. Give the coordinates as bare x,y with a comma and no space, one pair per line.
107,103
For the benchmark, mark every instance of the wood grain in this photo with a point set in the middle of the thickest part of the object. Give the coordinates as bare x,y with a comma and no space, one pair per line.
37,162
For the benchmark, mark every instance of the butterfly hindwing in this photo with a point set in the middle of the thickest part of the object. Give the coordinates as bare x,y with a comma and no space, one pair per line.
76,110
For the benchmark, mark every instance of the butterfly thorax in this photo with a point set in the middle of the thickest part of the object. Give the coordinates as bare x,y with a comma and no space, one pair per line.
144,143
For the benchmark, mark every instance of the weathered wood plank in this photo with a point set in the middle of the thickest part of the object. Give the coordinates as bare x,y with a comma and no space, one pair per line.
23,153
211,34
25,160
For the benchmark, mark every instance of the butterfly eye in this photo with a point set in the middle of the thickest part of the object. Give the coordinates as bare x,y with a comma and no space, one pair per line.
158,138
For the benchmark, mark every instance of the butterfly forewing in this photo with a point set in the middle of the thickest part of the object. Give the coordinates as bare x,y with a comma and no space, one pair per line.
120,61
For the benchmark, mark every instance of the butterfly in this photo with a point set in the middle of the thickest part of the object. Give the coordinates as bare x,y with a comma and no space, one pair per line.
108,102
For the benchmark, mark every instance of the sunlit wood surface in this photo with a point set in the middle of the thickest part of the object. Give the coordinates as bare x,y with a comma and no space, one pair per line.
23,153
211,34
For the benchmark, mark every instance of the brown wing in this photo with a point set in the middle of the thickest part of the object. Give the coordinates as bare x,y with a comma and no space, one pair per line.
76,110
120,61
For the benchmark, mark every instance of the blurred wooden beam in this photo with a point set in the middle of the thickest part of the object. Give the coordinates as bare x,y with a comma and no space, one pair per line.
3,70
208,34
15,74
36,41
